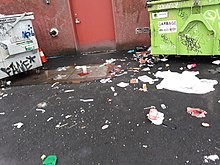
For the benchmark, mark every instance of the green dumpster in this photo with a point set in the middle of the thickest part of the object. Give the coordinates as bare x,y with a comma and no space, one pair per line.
185,27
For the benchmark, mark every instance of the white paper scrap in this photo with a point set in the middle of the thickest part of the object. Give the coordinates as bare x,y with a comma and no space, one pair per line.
107,80
87,100
146,79
41,110
68,116
18,125
185,82
113,89
68,91
105,126
216,62
211,157
122,84
50,118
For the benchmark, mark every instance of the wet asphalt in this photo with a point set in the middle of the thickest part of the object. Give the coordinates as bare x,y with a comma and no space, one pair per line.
130,138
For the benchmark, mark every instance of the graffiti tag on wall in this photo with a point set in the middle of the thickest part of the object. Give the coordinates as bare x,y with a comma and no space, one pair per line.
19,66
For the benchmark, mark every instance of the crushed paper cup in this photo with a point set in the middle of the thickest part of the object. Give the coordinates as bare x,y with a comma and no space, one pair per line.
155,116
196,112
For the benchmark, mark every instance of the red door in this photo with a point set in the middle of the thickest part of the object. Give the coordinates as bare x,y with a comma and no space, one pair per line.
94,24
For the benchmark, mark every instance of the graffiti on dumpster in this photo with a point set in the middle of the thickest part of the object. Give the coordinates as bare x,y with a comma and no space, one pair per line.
182,14
192,44
169,45
28,33
213,16
19,66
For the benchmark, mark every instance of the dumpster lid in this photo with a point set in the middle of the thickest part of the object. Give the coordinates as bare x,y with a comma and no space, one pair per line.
16,15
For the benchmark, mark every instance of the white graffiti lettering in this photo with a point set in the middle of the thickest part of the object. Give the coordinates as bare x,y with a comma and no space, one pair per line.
168,5
213,16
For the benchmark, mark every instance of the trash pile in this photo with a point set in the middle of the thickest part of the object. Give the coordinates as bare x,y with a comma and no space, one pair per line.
142,54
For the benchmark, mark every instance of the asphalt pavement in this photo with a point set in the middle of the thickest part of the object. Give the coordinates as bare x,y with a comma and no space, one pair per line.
109,129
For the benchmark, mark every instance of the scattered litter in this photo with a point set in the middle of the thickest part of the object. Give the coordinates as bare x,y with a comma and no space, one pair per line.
105,126
59,77
110,61
145,146
43,157
144,88
163,106
146,69
68,91
181,68
122,84
204,124
160,68
131,51
118,75
109,100
219,101
209,158
8,83
60,125
42,105
167,65
191,66
87,100
164,59
49,119
134,69
217,148
2,113
115,94
50,160
185,82
113,89
68,116
59,69
53,85
146,79
134,81
5,95
196,112
18,125
107,80
216,62
41,110
155,116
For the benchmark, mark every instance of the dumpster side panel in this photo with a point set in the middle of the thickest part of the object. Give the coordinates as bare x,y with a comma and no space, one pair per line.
19,63
185,27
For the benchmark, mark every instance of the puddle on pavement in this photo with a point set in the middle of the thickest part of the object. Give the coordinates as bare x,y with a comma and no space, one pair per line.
66,75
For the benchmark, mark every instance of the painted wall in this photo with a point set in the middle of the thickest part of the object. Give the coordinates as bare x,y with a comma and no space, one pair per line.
129,15
57,15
